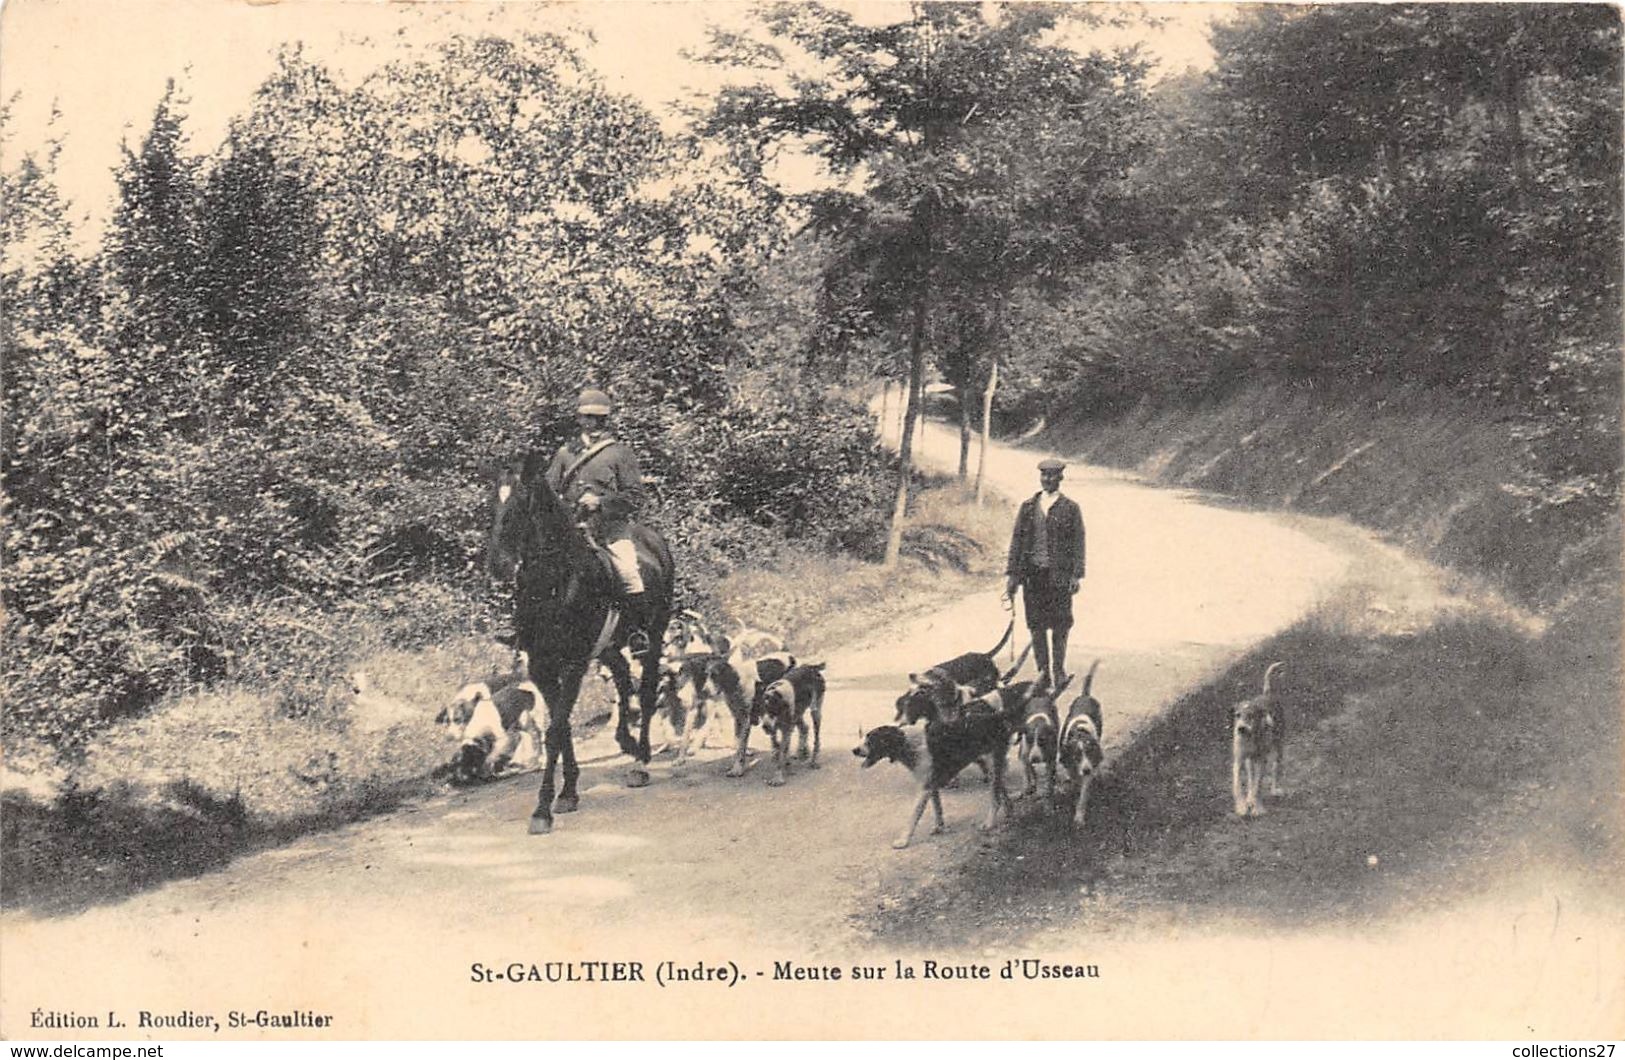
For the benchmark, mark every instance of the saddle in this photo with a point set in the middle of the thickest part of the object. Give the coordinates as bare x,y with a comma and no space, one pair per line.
619,613
605,561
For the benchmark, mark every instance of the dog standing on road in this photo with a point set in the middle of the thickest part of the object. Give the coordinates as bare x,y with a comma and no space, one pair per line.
936,756
1040,737
788,703
1257,740
937,689
688,699
971,730
1079,750
741,681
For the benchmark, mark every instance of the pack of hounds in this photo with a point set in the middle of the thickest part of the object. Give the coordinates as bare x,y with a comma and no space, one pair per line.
955,714
973,714
744,676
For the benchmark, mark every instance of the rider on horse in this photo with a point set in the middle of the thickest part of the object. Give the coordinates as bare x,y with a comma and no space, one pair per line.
598,477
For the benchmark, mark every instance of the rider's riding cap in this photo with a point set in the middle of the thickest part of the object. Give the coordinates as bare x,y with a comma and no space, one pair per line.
593,403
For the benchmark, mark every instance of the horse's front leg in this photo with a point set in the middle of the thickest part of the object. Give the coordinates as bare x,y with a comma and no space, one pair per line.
622,674
648,692
559,730
541,818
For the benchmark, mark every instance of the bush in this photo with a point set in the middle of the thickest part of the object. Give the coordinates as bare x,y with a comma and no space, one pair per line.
269,408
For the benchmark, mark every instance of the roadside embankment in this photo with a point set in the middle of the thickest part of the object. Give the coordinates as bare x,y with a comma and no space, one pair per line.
1444,477
1455,730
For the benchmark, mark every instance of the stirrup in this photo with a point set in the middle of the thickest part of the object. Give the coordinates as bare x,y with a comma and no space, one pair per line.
635,615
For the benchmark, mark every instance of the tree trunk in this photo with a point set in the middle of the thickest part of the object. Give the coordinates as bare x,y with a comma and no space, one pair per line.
916,418
905,446
885,408
964,432
987,425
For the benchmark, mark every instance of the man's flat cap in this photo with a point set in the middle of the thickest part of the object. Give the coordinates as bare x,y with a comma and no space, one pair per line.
1051,464
593,403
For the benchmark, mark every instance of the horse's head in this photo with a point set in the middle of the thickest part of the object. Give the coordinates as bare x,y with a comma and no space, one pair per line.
526,516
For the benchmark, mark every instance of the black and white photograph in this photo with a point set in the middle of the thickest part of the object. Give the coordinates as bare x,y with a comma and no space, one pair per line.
816,520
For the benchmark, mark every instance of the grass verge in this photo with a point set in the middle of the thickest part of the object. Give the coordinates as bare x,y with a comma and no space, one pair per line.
1424,759
246,764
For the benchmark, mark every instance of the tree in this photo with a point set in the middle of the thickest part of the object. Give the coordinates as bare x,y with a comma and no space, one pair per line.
1415,195
931,114
494,218
78,579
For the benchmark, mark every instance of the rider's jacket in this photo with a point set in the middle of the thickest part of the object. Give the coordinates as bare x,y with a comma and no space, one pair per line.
611,472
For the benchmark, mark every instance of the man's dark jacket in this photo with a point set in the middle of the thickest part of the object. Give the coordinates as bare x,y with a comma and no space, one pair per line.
612,473
1064,534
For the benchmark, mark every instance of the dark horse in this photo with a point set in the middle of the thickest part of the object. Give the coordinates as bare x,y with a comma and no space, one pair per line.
566,591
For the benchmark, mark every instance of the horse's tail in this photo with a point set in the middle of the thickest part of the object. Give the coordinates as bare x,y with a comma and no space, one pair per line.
1011,628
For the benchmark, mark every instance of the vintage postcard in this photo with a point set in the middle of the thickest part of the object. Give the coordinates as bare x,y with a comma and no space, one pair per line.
829,520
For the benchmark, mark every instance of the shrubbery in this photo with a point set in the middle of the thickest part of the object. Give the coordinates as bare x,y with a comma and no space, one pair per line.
270,405
1349,203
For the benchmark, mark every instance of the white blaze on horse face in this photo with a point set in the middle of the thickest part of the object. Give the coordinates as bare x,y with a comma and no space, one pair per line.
504,491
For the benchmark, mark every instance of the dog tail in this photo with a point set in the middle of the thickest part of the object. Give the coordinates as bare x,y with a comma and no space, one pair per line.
1011,628
1269,673
1089,678
1020,661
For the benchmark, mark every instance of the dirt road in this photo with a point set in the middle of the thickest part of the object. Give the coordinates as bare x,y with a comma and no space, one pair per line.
380,923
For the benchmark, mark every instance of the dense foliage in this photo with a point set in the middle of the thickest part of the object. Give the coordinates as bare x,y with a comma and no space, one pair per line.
275,391
980,150
1362,196
280,385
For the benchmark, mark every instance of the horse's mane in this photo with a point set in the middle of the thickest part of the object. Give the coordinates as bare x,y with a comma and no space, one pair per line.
536,521
541,497
533,468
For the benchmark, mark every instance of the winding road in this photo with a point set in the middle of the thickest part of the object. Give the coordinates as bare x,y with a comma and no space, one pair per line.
380,924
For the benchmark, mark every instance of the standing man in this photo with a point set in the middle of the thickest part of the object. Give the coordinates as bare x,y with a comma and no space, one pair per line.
1046,562
599,477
